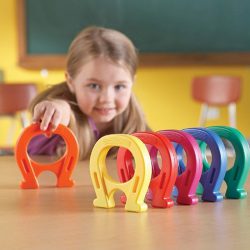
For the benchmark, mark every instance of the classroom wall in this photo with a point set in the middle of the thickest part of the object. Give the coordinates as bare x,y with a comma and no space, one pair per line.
164,92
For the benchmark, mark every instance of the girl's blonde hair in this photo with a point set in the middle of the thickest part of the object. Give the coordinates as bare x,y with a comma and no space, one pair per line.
91,43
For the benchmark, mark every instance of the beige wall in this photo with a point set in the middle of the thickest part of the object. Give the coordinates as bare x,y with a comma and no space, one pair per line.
163,92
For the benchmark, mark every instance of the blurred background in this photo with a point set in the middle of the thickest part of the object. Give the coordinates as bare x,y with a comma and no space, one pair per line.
163,84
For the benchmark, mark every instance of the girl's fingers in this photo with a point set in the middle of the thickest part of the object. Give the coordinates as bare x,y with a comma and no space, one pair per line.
49,114
47,117
56,119
38,113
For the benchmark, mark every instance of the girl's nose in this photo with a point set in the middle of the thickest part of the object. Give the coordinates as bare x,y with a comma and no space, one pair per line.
106,95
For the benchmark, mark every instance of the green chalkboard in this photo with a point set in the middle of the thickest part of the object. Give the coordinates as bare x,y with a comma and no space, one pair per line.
173,27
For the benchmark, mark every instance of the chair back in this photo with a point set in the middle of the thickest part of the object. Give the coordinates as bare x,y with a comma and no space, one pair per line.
16,97
216,90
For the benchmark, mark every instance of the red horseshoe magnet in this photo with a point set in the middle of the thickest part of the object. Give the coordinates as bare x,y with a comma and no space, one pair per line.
161,185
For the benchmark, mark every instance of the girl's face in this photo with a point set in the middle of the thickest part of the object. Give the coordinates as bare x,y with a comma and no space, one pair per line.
102,89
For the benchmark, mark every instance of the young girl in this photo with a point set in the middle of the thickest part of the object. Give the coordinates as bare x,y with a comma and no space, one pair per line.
96,99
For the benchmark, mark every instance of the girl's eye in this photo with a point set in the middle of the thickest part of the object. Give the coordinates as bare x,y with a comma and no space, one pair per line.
120,87
94,86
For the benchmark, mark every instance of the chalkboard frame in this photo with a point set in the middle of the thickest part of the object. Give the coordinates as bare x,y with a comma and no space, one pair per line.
57,61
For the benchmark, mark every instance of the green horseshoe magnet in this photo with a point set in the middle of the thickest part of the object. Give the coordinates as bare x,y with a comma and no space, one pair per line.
236,176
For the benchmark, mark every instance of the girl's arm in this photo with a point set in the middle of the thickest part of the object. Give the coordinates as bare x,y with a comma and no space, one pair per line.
42,145
52,112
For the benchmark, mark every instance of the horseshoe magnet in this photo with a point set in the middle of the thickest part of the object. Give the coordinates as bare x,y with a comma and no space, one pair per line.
188,181
213,176
62,168
237,175
136,188
161,185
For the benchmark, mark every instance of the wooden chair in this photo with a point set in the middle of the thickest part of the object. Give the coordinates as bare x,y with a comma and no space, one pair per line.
217,90
14,101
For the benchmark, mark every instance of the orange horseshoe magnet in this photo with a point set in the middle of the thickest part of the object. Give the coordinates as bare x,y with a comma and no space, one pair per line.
62,168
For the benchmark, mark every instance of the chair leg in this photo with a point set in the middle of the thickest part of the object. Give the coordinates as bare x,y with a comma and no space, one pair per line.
11,132
232,114
203,115
24,119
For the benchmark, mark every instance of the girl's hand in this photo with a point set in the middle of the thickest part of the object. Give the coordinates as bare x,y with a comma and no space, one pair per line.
51,114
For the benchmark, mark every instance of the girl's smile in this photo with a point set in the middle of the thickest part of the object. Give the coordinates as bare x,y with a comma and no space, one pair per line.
104,111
